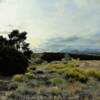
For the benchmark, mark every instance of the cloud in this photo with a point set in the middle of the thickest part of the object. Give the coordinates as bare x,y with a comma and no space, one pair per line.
71,17
58,22
1,0
58,44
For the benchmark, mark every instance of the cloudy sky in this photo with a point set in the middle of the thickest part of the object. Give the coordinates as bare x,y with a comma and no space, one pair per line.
53,24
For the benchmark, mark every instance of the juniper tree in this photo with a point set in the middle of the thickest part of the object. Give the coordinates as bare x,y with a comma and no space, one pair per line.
14,53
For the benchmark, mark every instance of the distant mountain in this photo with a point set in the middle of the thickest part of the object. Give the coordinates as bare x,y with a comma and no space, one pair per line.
82,51
70,50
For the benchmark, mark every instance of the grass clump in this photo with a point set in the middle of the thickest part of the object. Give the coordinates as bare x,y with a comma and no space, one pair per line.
18,77
13,85
55,90
71,70
29,75
76,74
24,90
74,62
75,87
62,66
94,73
59,67
31,67
57,81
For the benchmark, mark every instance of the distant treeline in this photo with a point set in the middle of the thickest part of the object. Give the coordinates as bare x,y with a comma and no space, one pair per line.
50,56
85,56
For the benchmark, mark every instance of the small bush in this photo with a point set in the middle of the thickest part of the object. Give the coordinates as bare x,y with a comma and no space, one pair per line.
74,62
29,75
94,73
31,67
76,74
55,90
59,66
26,91
13,85
57,81
18,77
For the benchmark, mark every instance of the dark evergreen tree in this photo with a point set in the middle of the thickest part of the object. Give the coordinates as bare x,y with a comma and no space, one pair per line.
17,41
14,53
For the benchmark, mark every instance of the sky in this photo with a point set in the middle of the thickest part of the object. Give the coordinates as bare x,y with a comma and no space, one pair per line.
53,24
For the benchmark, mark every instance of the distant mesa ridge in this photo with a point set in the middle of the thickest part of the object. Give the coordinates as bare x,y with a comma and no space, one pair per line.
82,51
84,54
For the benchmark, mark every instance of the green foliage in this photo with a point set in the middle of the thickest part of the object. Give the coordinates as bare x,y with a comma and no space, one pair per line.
29,75
55,90
13,85
71,71
59,66
57,81
18,77
94,73
17,41
31,67
15,52
50,56
76,74
12,62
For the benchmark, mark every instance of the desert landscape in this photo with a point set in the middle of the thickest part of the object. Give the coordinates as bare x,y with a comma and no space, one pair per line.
56,80
49,49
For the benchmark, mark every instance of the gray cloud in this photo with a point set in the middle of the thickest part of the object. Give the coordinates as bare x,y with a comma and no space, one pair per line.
72,22
1,1
58,44
64,39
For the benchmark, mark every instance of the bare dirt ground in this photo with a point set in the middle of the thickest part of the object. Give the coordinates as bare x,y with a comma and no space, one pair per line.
90,64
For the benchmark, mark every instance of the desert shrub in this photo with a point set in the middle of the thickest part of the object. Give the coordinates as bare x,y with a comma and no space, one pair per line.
74,88
18,77
98,75
74,62
25,90
13,96
71,71
83,78
31,67
59,66
55,90
94,73
21,93
13,85
76,74
57,81
29,75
